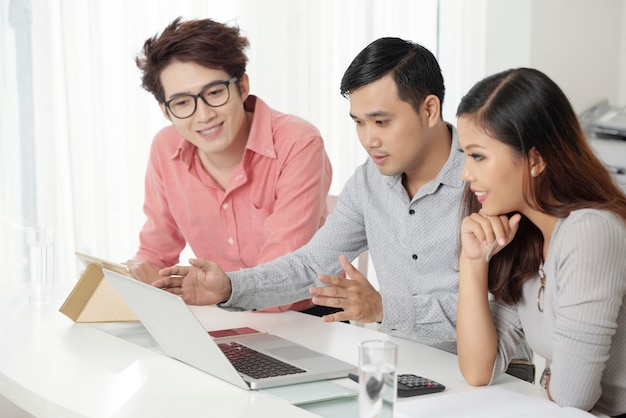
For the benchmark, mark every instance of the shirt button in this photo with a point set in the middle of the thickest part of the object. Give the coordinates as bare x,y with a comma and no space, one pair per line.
231,241
225,206
414,256
411,212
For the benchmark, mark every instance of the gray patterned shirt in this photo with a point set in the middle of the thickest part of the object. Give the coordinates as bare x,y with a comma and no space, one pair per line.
413,245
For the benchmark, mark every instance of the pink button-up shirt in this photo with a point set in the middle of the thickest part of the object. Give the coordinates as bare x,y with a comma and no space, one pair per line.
274,202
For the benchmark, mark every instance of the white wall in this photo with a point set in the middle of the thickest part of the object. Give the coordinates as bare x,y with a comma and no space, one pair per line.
622,53
576,42
581,44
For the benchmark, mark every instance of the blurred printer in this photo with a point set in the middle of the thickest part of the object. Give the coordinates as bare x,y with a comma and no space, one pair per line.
605,121
605,127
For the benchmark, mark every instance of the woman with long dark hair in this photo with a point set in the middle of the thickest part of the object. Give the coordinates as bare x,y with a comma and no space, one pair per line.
544,233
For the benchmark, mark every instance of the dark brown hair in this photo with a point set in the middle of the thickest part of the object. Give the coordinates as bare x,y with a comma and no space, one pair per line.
413,67
525,109
204,42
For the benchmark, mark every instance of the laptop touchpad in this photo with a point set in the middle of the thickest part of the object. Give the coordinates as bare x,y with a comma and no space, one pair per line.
293,352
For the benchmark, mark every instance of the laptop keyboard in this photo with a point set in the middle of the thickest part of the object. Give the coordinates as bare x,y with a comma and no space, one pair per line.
254,364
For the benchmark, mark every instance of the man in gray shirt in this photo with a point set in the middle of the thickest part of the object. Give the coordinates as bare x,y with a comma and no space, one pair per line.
402,205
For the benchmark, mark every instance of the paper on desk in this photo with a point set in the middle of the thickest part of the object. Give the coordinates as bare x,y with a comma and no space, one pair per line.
491,402
311,392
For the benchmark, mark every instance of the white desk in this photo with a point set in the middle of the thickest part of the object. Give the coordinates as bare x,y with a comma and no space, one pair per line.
51,366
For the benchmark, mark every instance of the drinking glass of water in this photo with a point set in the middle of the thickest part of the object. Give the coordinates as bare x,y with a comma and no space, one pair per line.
377,378
40,243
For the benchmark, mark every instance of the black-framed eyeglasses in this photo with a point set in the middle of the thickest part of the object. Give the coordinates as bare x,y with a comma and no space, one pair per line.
214,95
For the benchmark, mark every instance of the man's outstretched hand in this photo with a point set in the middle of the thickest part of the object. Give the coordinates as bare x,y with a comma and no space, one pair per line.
355,295
201,283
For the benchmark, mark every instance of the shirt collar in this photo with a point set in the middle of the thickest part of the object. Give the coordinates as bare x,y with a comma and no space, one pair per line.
450,173
184,152
261,137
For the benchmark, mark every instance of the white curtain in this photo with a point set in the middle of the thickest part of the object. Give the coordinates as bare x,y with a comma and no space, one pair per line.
76,126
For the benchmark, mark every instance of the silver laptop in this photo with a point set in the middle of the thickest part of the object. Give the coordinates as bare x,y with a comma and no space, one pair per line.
180,335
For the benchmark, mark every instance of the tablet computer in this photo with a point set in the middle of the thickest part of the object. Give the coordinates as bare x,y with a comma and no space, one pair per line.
120,268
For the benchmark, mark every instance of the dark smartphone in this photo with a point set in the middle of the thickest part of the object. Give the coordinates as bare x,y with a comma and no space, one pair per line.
412,385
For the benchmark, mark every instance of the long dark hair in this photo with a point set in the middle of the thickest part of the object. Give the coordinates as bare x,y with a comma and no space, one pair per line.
525,109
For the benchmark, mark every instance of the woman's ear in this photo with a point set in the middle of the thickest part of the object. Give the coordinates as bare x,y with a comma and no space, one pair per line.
536,162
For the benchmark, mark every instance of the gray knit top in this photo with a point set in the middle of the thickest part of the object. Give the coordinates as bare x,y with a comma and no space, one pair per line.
582,329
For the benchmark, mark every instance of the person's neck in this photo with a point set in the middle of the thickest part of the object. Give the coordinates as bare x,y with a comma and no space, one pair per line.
431,161
222,165
546,224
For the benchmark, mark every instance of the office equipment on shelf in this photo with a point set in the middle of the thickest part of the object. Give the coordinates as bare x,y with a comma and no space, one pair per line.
605,127
604,120
180,335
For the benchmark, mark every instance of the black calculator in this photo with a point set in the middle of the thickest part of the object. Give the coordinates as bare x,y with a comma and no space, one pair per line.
412,385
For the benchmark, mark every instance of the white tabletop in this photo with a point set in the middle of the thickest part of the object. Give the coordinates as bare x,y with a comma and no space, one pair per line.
51,366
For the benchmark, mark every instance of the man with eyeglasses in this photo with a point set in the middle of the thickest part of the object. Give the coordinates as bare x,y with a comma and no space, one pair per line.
402,205
237,181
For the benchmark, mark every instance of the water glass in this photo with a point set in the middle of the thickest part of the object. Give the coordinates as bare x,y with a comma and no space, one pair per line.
377,378
40,243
